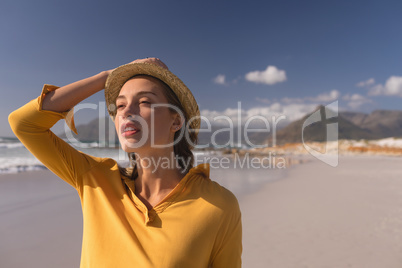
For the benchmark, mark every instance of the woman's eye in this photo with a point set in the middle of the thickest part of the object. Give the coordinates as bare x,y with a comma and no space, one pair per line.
120,106
147,102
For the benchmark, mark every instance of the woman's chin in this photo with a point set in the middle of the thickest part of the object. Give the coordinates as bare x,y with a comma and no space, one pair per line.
131,145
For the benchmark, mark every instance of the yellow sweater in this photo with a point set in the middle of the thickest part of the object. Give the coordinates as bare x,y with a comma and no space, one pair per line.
197,225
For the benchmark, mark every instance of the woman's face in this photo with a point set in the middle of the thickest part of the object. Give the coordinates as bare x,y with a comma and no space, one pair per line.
140,125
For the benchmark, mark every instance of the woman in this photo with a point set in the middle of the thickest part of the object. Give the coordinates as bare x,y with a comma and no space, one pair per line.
149,215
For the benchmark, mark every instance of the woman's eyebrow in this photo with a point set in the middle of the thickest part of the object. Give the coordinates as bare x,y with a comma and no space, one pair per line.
138,94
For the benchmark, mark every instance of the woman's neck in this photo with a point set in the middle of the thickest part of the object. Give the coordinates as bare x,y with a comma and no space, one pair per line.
157,177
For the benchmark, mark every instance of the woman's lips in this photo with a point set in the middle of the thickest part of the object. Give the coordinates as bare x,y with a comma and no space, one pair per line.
128,129
129,133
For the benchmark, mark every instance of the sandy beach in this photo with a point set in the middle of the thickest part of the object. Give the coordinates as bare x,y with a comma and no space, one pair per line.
320,216
40,221
316,216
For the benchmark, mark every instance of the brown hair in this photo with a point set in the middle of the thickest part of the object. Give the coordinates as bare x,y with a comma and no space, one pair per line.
182,149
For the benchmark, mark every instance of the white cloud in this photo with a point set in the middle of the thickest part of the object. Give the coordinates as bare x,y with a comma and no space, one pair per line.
220,79
392,87
376,90
319,99
354,97
356,101
288,109
288,100
285,113
325,97
263,100
366,83
269,76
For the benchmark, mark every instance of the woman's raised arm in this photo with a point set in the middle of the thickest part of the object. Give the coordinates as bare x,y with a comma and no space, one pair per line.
66,97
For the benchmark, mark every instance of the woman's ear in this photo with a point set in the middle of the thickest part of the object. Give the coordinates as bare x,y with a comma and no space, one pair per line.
177,123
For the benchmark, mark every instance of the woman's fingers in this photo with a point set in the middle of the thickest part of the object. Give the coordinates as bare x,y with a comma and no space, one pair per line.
155,61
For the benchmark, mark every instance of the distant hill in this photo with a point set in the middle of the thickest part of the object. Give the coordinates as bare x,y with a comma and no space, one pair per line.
318,131
91,132
382,123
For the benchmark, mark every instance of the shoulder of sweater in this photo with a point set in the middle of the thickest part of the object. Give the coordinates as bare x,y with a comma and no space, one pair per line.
217,194
103,163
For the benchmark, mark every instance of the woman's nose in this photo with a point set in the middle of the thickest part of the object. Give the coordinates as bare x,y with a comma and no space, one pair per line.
129,111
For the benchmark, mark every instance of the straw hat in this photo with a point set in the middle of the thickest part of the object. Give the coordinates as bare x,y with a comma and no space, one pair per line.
120,75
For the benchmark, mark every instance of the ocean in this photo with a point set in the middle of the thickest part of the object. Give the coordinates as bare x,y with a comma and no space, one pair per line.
240,175
15,158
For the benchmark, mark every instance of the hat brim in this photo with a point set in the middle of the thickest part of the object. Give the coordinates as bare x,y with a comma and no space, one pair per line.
122,74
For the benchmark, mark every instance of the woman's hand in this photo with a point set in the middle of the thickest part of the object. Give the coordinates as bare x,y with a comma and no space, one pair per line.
155,61
65,98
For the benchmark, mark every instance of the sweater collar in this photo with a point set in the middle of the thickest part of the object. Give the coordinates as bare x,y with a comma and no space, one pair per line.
201,169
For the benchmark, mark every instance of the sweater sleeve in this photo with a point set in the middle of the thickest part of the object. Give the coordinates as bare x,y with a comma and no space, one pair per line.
230,237
32,126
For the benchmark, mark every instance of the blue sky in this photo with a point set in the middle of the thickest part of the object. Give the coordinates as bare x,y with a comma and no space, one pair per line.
318,51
